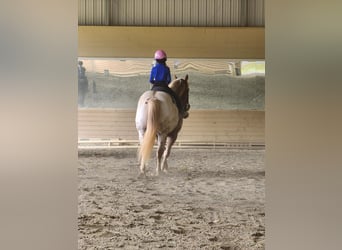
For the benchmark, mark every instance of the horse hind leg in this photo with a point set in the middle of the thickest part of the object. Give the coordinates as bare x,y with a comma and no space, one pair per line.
169,142
142,169
141,133
164,166
160,152
142,163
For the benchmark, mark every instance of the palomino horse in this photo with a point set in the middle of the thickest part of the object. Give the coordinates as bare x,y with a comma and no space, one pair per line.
158,117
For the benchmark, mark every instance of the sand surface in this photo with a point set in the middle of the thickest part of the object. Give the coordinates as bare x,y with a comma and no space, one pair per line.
210,199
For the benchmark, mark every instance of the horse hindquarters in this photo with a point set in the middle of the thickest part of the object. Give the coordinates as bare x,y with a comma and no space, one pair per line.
153,111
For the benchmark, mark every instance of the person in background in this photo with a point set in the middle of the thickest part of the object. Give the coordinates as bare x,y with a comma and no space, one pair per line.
82,83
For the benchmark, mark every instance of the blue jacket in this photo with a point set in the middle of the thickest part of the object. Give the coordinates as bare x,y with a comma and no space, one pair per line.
160,73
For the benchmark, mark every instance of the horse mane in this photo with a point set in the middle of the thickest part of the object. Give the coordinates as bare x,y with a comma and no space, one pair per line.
175,85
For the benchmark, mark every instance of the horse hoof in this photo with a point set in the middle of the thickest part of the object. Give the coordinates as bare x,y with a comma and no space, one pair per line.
142,175
157,173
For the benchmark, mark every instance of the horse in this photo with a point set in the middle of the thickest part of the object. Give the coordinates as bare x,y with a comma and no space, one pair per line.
158,117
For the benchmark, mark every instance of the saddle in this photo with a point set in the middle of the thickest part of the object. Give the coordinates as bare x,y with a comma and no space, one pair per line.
174,96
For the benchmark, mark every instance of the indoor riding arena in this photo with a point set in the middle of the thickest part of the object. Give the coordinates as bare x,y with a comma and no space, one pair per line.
213,195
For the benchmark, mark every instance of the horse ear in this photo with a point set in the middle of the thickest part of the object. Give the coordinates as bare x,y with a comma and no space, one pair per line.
176,77
186,77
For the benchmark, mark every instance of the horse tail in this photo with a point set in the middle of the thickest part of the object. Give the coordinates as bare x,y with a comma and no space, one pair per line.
153,111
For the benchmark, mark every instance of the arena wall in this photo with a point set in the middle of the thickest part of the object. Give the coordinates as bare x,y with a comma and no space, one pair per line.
203,126
112,127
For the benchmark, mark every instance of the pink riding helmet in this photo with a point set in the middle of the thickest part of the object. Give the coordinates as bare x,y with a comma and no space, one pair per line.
160,54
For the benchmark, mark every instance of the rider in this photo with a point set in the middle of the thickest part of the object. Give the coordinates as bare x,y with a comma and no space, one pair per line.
160,78
160,73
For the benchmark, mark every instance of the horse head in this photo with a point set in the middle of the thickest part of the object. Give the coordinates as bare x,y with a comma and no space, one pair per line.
181,88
